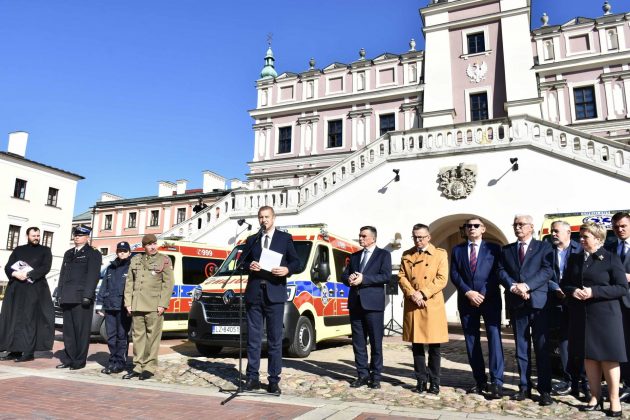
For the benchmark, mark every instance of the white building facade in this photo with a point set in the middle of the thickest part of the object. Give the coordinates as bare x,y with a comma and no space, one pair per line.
34,194
432,136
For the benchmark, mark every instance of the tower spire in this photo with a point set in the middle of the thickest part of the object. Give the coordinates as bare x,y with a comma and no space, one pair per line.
269,69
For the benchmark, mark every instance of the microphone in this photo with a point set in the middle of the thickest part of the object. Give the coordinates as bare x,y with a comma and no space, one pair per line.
261,230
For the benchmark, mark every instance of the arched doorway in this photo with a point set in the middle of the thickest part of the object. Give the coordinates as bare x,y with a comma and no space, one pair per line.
447,232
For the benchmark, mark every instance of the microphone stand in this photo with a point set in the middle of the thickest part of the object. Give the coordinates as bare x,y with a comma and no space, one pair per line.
239,268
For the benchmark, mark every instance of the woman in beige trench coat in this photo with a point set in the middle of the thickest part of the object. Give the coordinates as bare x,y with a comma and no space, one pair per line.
422,276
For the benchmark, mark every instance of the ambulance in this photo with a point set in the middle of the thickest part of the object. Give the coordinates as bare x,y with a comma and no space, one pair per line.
192,263
317,300
576,219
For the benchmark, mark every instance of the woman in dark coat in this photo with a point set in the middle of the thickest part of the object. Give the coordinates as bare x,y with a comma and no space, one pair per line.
595,281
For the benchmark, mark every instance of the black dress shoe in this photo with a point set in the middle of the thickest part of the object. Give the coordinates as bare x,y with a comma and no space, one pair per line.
611,413
375,385
545,399
434,389
624,394
521,395
132,374
359,382
106,370
421,386
477,389
495,392
63,366
146,375
13,355
274,388
599,405
561,388
115,370
25,358
251,384
77,367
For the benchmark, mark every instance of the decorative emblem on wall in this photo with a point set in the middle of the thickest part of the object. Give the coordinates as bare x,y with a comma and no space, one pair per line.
477,72
457,181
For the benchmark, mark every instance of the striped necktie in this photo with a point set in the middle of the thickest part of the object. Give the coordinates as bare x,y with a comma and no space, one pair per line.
473,257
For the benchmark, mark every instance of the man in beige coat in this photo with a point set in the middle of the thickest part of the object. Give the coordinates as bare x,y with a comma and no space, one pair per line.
147,295
422,276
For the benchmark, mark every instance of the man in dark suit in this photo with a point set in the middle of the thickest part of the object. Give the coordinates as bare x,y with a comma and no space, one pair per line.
525,268
621,247
367,274
80,272
474,275
573,374
265,295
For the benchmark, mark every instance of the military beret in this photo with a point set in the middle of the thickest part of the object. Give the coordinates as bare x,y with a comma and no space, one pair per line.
148,239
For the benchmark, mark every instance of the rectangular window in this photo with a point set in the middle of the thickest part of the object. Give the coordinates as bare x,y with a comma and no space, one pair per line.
53,193
335,138
585,103
387,123
284,140
104,251
476,43
131,221
107,224
181,215
47,239
478,106
20,188
13,238
155,215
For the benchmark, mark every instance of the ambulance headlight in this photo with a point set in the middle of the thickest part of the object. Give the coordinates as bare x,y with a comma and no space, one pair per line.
290,293
196,294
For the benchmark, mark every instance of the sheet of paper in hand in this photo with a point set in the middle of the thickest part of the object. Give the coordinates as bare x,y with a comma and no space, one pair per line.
269,259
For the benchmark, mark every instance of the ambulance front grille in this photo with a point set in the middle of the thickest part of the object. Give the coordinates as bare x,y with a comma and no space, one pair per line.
218,312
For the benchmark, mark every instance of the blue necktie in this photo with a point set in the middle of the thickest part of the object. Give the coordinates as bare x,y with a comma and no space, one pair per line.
363,261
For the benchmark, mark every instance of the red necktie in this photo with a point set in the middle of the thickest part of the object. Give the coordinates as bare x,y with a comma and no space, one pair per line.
473,257
521,252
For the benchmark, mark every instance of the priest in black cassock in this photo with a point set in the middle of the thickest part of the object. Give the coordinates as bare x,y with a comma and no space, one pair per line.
27,319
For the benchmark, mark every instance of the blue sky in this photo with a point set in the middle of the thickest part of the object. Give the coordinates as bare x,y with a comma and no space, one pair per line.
126,93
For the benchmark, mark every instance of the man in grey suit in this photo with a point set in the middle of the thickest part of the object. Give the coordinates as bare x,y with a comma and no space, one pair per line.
621,247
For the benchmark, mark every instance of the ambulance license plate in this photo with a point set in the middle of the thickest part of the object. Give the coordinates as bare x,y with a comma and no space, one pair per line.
226,329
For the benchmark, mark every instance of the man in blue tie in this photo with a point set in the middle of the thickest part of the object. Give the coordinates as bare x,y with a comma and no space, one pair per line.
621,227
474,275
367,274
525,268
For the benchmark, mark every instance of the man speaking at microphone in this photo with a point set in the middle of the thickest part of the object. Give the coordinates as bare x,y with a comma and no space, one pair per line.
265,295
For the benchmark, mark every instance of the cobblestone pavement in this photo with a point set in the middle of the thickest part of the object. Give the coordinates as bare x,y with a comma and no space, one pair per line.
326,374
320,382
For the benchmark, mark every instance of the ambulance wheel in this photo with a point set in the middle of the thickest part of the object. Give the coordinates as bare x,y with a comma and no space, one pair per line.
303,339
208,351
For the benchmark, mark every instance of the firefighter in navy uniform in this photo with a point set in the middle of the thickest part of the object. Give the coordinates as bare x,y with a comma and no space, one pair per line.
79,276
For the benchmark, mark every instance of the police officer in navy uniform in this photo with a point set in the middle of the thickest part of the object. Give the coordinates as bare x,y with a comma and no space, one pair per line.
109,303
80,271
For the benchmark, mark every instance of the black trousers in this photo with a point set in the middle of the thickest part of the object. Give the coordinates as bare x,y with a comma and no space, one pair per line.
420,367
77,323
367,325
625,367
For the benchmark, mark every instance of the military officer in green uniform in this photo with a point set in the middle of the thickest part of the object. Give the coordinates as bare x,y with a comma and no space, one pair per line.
147,295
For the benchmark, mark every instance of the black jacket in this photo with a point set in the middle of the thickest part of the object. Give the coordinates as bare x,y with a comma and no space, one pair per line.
112,290
79,275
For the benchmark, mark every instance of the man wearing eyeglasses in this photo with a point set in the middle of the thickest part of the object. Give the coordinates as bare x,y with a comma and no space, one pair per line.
525,268
474,275
422,276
